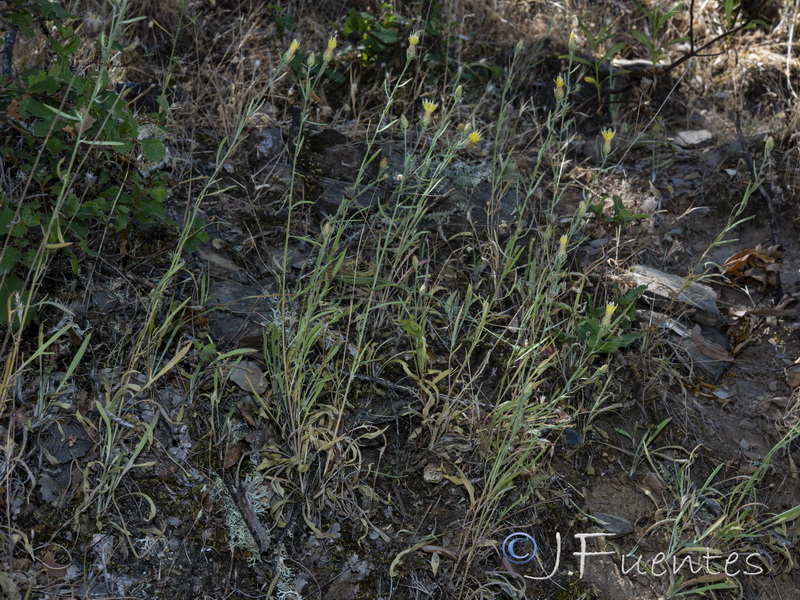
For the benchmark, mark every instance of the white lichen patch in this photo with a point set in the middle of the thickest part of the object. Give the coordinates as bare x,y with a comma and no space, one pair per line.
239,536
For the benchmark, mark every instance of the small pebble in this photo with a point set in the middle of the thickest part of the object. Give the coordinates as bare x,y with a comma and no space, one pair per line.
572,438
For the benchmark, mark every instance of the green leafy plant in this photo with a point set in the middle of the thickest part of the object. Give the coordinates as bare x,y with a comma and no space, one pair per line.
374,35
284,21
77,155
656,21
622,216
602,54
304,65
482,72
600,334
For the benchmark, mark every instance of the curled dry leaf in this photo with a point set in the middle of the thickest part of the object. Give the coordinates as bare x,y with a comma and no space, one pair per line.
754,266
52,567
249,376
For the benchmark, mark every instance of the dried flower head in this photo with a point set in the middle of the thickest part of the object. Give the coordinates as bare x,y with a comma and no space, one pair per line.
92,26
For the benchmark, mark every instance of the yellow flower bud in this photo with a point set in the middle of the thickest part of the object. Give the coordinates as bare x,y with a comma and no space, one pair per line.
291,51
326,58
560,92
608,135
610,308
561,253
413,41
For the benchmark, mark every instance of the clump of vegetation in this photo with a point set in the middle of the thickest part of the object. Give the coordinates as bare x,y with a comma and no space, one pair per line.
74,153
408,335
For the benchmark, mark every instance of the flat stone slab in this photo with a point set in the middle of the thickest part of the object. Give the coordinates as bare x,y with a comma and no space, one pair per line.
666,291
698,138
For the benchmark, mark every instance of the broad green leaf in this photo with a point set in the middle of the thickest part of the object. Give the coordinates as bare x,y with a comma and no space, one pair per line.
153,149
9,259
615,49
387,36
642,38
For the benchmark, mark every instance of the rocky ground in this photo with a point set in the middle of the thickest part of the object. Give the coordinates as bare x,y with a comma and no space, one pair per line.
175,481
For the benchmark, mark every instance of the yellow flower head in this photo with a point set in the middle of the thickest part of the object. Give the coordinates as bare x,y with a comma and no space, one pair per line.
561,253
473,139
608,135
326,58
413,41
572,41
291,51
560,88
610,308
428,106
